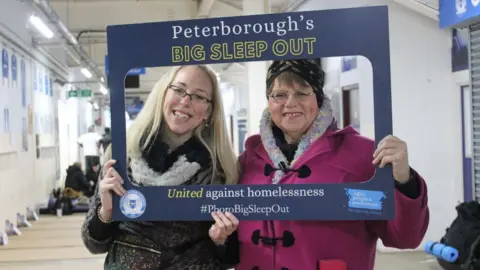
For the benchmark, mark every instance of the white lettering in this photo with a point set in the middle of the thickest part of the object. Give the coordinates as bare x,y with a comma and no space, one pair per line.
206,31
188,32
237,29
257,28
175,31
279,28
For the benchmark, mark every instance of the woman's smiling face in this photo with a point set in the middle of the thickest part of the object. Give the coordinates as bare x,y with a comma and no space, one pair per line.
293,107
188,100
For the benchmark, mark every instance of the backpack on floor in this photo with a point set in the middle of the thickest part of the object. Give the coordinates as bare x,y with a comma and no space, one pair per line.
464,235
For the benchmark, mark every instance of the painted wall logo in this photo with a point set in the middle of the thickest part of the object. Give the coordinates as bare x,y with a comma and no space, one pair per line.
461,6
133,204
365,199
5,64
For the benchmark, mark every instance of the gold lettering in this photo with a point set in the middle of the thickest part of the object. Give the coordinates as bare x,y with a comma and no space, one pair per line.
187,53
184,193
226,54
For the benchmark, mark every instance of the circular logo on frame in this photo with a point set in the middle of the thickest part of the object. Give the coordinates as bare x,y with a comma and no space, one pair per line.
133,204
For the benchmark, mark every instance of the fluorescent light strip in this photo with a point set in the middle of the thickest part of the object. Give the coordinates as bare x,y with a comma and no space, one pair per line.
86,72
41,26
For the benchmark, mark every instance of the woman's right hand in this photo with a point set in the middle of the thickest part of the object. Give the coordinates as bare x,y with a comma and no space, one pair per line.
225,224
111,182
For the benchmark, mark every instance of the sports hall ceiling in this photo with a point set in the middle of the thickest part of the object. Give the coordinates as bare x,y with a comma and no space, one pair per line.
88,19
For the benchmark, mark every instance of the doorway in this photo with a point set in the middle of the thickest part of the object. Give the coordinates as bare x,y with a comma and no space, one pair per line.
242,134
351,106
466,105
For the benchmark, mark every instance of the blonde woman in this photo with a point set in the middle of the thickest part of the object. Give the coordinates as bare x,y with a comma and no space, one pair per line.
179,138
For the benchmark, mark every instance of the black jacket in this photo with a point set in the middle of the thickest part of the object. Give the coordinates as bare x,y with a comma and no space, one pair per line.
76,179
159,245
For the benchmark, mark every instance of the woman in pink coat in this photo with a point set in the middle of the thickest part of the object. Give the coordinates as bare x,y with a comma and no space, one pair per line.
298,130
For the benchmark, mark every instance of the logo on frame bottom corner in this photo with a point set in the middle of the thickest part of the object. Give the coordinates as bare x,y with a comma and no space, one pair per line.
133,204
365,201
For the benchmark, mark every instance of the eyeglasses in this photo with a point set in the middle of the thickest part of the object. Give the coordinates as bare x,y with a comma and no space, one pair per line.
283,96
194,98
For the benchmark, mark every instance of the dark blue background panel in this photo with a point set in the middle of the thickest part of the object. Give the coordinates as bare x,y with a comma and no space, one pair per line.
328,33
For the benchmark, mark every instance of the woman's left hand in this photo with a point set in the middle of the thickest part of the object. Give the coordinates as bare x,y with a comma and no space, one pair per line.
225,224
394,151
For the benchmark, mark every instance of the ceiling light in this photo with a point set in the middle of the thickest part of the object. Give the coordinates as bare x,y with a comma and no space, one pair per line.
103,90
41,26
86,72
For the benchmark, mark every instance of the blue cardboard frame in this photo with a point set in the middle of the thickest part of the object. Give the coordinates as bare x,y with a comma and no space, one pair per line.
340,32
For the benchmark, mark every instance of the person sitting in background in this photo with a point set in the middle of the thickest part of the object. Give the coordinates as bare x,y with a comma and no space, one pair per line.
297,130
179,138
76,184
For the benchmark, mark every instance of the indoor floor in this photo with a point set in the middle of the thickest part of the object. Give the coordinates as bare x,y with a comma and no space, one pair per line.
55,244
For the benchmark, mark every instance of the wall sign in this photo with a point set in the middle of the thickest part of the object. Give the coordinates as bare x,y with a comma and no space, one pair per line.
133,71
5,77
349,63
460,57
456,13
311,34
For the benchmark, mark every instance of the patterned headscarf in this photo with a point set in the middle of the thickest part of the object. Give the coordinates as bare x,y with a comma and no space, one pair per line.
307,69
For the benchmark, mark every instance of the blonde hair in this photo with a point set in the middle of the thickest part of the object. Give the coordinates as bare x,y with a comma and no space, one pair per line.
147,124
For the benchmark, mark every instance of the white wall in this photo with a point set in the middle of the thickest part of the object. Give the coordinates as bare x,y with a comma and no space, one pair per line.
14,16
425,99
26,180
228,97
73,115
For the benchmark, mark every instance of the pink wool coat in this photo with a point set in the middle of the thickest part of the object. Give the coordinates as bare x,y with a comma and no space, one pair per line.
338,154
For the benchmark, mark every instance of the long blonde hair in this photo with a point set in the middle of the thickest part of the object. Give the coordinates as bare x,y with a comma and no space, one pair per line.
147,123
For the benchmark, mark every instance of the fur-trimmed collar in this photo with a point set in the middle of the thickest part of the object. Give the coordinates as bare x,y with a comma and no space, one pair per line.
320,125
157,167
